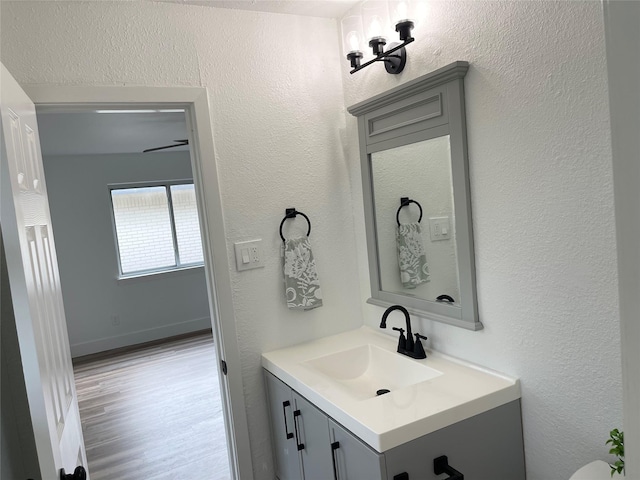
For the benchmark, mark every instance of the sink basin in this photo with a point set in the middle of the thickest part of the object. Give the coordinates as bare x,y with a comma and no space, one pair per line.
365,370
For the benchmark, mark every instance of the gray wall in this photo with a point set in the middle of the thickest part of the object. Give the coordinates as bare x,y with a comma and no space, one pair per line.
151,308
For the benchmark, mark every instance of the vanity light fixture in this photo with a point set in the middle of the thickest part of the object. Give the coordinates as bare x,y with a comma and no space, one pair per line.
374,19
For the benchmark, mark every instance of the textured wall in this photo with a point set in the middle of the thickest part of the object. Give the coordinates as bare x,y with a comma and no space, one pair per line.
81,213
542,199
278,115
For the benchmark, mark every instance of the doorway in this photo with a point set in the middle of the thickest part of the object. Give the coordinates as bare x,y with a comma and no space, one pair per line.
196,105
130,255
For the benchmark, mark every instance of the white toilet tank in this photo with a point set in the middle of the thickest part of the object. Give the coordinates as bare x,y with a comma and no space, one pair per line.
597,470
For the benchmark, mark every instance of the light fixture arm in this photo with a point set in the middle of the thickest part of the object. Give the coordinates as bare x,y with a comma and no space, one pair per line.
393,63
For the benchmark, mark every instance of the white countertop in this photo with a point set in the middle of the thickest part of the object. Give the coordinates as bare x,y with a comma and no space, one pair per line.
384,422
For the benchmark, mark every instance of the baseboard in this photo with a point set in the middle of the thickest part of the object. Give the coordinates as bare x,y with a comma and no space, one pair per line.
141,336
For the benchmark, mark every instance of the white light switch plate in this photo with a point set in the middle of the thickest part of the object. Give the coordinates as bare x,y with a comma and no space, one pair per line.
249,254
440,228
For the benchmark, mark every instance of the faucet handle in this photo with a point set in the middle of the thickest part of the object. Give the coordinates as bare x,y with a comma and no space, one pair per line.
402,341
418,349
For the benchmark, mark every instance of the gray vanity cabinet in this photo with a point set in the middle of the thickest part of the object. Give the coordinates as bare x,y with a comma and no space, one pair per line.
353,459
311,446
487,446
300,434
288,464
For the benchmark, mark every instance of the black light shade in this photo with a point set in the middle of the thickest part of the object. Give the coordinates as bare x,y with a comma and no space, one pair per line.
354,58
404,29
377,45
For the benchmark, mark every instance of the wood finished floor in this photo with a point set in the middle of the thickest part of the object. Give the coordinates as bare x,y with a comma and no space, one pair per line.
154,413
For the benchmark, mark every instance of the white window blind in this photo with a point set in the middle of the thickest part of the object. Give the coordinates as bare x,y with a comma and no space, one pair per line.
156,227
185,214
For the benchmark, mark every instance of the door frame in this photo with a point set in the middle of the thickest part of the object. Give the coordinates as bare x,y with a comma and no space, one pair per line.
621,39
195,101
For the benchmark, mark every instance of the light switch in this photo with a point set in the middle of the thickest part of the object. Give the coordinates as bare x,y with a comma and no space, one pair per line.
439,228
249,254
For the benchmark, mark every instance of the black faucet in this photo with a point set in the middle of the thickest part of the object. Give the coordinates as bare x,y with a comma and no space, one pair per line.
406,346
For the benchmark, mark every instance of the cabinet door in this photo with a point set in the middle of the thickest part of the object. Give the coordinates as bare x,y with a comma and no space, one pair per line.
487,446
353,459
312,428
285,449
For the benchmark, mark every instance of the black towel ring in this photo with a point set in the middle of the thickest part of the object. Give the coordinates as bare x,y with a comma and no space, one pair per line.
404,202
292,213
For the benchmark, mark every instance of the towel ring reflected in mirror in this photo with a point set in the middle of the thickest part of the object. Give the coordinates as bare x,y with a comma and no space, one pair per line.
404,202
292,213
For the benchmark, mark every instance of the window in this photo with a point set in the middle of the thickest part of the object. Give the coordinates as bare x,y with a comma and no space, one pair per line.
156,227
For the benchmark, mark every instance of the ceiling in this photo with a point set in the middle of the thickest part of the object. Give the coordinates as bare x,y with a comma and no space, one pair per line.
307,8
91,133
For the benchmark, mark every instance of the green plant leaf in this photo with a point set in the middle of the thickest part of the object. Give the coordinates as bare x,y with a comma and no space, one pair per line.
616,441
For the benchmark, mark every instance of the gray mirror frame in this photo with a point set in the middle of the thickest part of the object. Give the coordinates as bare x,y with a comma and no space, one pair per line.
428,107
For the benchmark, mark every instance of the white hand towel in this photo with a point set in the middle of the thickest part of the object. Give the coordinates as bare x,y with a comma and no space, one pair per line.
302,287
412,259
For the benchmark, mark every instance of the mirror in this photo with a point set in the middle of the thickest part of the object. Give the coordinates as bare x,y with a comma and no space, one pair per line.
416,194
420,172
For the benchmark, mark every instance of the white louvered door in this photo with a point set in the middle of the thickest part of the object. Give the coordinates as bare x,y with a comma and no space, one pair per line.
35,287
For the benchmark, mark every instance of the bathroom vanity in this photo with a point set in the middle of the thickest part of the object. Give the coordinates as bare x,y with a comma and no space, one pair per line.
331,417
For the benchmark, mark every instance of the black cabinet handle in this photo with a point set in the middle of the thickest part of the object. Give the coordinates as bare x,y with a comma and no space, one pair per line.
334,447
296,414
441,465
286,404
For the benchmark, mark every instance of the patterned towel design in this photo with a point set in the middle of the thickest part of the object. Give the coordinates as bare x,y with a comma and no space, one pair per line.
302,287
412,259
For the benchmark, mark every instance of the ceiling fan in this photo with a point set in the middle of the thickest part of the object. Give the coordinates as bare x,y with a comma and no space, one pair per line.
179,143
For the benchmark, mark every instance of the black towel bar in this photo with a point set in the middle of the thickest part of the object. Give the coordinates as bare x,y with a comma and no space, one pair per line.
404,202
292,213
